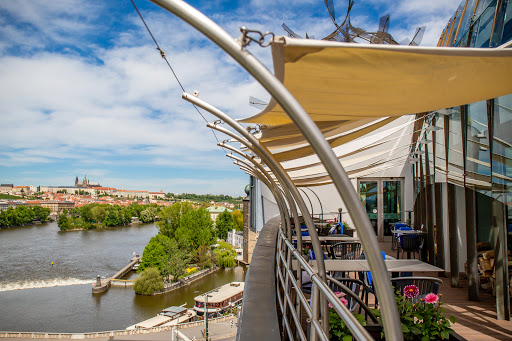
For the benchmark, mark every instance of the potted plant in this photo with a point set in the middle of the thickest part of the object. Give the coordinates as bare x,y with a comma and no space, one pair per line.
347,229
422,320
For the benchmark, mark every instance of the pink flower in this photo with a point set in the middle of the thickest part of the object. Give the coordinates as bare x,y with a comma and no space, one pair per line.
340,295
411,291
431,298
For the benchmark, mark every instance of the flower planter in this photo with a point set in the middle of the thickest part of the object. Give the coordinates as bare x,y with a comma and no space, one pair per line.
348,232
375,331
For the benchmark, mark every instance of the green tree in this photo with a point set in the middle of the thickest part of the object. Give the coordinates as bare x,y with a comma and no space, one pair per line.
203,257
112,218
238,218
195,230
224,224
178,261
225,255
148,215
41,213
156,254
172,216
64,222
98,214
148,282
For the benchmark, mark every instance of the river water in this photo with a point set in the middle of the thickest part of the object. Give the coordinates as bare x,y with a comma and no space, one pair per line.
36,296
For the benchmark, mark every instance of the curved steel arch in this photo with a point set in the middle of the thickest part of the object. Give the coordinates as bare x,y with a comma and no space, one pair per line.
390,316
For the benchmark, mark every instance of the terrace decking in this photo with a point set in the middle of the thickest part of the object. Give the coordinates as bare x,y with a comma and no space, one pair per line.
476,320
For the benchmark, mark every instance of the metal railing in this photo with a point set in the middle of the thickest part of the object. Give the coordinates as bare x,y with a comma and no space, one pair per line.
293,302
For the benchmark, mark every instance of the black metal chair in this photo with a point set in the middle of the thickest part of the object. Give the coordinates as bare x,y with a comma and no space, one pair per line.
354,290
346,250
426,285
410,243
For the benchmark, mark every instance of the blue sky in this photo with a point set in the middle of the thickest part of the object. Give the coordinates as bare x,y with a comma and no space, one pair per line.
83,90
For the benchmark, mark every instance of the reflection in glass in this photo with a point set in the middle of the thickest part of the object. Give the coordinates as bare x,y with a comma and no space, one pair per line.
368,191
392,201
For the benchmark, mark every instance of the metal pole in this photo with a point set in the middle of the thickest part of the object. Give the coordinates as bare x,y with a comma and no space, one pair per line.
254,145
206,316
390,317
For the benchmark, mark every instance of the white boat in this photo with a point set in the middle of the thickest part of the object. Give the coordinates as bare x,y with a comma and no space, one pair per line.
220,299
168,317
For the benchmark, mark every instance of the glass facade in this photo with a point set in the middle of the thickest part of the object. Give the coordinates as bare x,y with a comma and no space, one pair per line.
470,147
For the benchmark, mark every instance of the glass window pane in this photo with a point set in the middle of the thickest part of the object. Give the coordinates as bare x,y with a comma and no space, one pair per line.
507,24
466,21
455,159
440,161
482,32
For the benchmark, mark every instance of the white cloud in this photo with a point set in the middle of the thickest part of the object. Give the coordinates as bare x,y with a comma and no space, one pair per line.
79,83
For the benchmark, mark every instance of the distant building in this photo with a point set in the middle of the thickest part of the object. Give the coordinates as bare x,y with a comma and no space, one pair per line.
216,210
157,195
6,188
86,183
56,207
21,190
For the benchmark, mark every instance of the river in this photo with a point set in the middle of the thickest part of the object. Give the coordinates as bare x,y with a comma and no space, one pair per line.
36,296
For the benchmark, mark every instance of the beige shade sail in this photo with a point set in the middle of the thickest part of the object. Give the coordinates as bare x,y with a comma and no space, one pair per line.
336,81
333,141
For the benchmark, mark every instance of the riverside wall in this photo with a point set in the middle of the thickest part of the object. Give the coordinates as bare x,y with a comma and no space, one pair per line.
112,333
187,280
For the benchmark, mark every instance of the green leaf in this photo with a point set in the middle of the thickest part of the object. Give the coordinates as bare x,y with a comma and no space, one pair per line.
415,331
347,338
405,329
452,318
425,338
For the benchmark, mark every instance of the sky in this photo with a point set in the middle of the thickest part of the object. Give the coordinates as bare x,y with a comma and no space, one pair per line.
83,90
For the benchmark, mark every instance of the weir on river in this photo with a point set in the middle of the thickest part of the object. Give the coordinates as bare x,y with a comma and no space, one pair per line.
102,284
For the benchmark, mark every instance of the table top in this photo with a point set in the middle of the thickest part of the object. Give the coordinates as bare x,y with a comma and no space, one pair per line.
407,231
395,265
330,238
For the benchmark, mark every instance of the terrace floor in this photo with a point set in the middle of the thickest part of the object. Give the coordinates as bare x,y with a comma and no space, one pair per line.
475,320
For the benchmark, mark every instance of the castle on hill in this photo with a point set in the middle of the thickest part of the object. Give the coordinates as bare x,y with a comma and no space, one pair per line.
86,183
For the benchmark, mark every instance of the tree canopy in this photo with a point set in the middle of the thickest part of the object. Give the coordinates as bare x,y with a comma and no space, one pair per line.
238,217
22,215
224,224
191,227
225,255
148,282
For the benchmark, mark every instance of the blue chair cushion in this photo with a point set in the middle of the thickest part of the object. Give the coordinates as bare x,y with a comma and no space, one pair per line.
369,274
312,256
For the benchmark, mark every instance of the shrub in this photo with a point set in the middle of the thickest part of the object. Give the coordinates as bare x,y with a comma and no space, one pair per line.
148,282
225,255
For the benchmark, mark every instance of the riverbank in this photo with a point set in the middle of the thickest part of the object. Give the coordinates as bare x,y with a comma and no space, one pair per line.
187,280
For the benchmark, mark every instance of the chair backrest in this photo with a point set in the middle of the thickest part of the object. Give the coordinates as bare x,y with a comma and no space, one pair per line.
355,290
347,250
399,226
426,285
411,242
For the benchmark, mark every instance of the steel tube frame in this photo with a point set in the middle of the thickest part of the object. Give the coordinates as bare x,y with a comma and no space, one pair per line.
292,206
255,150
270,179
390,316
254,145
